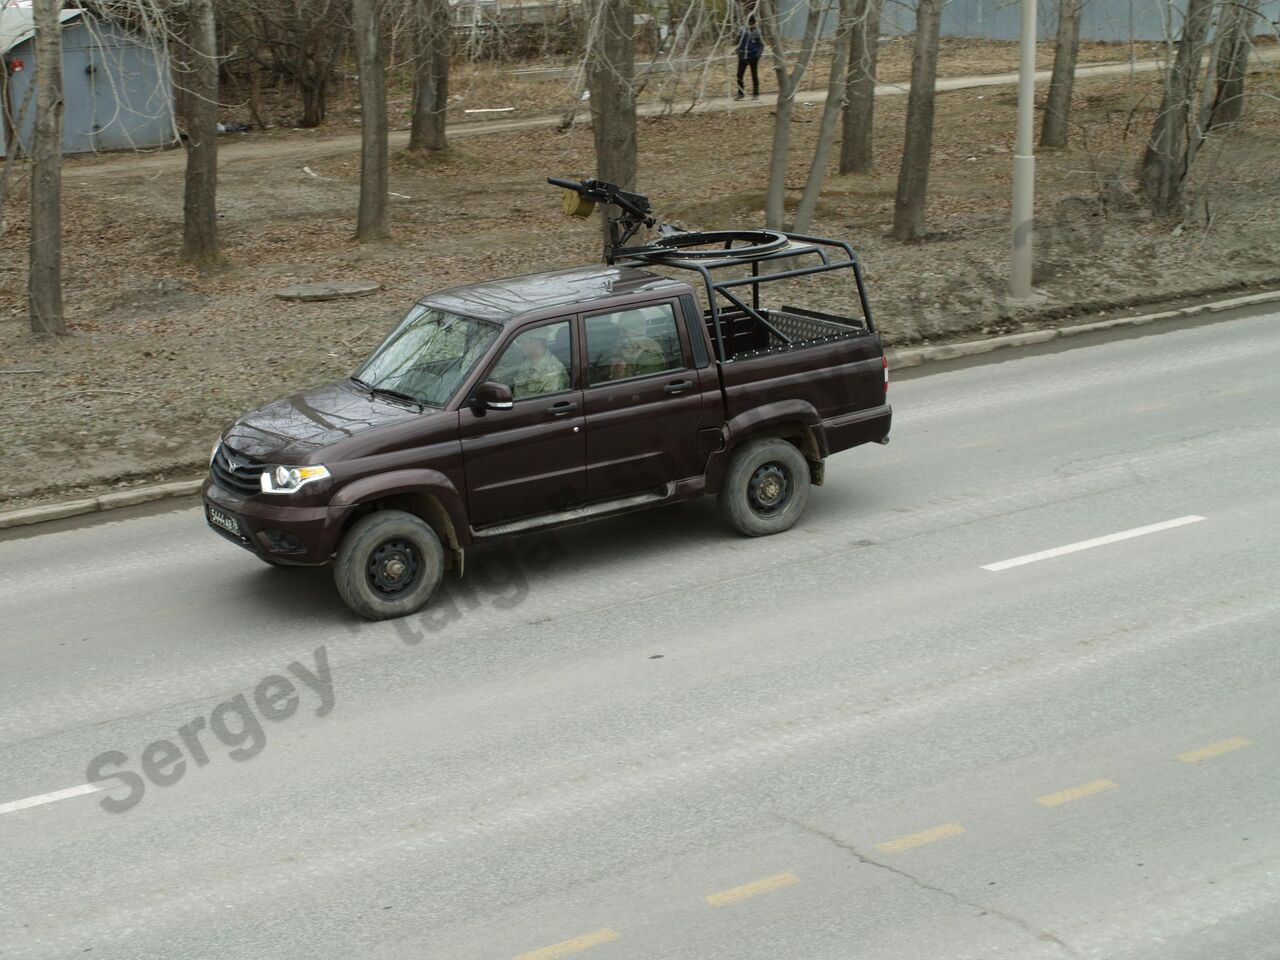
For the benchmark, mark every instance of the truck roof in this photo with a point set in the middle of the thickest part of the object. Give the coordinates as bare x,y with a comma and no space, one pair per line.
514,297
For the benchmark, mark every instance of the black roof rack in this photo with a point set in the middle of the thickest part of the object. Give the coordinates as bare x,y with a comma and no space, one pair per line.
703,251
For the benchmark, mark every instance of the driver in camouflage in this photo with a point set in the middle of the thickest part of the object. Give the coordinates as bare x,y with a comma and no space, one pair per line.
540,372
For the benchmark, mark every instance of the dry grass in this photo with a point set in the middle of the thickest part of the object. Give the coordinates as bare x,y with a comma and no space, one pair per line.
160,357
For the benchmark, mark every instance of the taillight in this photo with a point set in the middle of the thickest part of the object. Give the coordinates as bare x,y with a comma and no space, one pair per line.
885,360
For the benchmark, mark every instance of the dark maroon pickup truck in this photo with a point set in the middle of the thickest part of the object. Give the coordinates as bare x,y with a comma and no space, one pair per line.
516,405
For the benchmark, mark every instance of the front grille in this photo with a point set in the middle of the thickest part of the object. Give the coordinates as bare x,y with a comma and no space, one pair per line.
235,472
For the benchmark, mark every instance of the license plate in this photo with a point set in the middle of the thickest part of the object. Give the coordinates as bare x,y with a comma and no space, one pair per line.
226,522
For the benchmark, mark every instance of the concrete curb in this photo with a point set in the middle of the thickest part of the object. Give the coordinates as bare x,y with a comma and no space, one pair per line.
910,357
915,356
107,501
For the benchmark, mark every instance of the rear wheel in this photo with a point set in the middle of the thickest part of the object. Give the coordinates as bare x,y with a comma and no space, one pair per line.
389,564
765,488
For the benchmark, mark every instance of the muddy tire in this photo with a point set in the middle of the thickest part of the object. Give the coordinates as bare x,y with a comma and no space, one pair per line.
389,564
765,488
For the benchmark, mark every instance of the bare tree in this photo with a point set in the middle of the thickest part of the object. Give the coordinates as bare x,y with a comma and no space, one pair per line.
44,279
1168,155
789,73
373,221
1066,48
860,88
432,34
1235,38
830,113
15,149
299,40
195,63
917,149
611,65
189,28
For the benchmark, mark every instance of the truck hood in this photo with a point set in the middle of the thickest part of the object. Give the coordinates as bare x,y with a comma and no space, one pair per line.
287,430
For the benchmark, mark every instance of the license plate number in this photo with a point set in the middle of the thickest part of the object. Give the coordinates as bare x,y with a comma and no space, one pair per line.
227,523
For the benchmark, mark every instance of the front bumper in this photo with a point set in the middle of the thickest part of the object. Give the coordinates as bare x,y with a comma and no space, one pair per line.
276,531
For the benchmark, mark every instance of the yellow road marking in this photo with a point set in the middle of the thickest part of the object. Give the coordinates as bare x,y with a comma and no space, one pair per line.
1075,793
733,895
921,838
565,947
1150,407
1214,749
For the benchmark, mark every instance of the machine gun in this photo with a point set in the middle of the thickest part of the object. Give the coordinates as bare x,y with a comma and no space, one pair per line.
581,197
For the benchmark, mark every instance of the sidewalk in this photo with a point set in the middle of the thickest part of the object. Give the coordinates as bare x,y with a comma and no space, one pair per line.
229,152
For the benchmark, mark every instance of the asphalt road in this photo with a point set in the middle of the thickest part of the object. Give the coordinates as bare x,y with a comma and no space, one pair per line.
648,738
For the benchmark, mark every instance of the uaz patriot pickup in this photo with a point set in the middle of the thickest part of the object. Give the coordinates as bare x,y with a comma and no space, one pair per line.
515,405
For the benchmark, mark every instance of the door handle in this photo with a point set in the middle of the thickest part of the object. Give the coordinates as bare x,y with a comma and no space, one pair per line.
677,387
561,408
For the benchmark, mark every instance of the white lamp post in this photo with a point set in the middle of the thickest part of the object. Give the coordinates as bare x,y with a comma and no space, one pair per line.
1024,161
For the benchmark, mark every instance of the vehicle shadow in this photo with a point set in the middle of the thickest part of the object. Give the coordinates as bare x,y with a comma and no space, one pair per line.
503,573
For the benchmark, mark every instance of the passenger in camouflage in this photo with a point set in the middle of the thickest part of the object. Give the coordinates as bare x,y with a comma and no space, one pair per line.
637,353
540,372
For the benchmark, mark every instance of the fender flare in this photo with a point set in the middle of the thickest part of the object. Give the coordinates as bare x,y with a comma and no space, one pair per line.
768,416
764,421
422,481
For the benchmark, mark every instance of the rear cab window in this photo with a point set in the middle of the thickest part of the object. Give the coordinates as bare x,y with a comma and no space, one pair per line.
633,342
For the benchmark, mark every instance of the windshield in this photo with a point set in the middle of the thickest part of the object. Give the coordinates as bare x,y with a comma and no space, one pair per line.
428,356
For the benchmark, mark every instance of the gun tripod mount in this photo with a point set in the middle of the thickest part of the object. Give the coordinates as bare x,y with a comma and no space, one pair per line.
581,197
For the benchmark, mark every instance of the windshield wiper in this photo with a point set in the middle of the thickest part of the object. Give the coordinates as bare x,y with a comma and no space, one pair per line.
396,395
360,383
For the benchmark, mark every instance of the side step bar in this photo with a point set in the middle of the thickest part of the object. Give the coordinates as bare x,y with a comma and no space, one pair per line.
587,512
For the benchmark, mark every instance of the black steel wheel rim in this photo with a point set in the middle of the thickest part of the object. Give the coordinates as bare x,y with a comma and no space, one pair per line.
769,489
394,568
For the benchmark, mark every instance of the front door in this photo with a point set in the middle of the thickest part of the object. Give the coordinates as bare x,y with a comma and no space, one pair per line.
644,402
530,459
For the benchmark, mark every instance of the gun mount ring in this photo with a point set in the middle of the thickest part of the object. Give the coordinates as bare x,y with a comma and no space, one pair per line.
753,243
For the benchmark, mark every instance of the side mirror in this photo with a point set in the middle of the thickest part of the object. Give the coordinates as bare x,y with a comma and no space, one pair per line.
493,396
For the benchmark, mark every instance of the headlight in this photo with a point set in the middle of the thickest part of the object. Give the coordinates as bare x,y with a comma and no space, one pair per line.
291,479
214,452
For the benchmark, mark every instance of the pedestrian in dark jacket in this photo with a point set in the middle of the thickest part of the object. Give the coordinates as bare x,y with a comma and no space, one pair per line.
750,47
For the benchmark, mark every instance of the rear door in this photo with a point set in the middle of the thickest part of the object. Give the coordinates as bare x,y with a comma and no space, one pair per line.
530,459
644,401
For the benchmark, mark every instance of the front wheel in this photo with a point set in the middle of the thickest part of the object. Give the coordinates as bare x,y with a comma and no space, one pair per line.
388,565
765,488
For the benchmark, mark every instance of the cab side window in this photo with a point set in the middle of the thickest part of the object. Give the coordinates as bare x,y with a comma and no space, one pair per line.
537,362
632,343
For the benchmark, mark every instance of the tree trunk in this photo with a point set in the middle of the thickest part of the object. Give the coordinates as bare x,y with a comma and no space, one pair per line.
830,113
198,76
1236,31
255,100
11,125
610,76
789,77
432,34
1057,108
1165,164
313,102
860,90
372,222
44,280
913,176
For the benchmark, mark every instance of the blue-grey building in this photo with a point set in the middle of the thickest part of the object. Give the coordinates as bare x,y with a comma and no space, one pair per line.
1117,21
116,85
